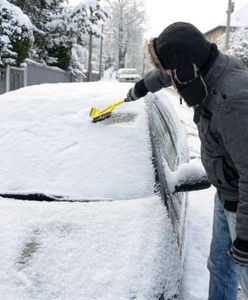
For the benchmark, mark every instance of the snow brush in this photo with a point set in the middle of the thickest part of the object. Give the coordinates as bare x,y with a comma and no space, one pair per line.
100,115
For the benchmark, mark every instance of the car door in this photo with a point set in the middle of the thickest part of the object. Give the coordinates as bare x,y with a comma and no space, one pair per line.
166,160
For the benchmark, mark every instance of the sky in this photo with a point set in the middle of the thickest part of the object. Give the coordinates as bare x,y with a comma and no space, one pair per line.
203,14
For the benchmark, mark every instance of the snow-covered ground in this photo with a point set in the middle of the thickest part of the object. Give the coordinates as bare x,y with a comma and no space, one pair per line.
38,227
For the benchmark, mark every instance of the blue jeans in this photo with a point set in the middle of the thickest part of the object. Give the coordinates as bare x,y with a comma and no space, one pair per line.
224,273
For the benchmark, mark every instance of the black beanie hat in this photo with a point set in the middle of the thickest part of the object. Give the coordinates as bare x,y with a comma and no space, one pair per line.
180,45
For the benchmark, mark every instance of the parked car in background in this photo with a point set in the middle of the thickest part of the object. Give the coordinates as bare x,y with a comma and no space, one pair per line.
92,211
128,75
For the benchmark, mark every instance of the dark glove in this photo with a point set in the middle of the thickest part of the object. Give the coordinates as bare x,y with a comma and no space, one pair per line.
131,96
138,91
239,251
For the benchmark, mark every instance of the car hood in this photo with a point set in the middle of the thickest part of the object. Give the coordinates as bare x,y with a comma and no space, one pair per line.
109,250
49,144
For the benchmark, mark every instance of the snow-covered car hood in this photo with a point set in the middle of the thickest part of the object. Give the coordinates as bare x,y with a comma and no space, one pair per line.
89,251
49,144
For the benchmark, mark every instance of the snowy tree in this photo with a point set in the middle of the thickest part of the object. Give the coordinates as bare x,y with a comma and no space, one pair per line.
59,34
16,34
85,19
126,29
86,16
59,29
239,45
48,18
79,56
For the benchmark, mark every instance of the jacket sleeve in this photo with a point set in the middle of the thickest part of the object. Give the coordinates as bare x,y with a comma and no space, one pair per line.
236,143
152,82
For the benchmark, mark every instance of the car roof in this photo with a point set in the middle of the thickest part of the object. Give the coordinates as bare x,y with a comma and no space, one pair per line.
50,145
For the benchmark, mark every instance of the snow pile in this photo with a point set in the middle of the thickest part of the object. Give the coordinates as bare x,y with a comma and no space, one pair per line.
49,144
108,250
192,171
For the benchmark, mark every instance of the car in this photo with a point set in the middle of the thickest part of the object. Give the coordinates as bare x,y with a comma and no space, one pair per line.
92,210
128,75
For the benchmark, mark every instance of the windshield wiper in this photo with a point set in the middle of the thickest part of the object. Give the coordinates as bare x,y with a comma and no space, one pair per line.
33,197
47,198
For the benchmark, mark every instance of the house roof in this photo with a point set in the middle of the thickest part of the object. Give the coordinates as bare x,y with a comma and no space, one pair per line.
238,19
214,29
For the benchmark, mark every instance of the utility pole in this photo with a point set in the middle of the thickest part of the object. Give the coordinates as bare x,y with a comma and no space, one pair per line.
89,58
101,46
90,54
230,9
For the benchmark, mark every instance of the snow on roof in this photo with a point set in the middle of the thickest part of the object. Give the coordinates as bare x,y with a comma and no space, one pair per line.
49,144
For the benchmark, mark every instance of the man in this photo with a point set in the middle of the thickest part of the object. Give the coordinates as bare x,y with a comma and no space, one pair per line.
216,86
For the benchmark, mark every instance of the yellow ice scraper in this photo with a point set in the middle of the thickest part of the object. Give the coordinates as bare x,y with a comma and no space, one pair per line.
99,115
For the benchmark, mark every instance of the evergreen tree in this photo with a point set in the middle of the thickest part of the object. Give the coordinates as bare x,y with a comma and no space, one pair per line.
16,34
52,44
58,27
85,20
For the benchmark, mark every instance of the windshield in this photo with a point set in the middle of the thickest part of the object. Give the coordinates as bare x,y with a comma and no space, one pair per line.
49,144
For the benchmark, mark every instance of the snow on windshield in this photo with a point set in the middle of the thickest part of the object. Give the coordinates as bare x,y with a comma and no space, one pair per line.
49,144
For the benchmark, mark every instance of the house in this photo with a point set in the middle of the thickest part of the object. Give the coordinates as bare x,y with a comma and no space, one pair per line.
238,19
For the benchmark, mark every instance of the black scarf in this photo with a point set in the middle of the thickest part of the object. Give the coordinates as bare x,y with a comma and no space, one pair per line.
190,82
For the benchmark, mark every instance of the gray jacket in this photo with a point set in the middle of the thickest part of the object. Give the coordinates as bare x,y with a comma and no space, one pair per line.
223,132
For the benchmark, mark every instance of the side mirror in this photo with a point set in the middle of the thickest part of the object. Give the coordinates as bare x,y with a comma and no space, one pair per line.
190,177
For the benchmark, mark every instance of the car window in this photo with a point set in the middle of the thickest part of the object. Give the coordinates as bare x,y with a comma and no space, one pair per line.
163,137
165,143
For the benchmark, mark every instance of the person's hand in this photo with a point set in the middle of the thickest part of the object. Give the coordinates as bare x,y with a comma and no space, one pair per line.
239,252
131,96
